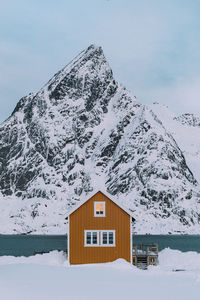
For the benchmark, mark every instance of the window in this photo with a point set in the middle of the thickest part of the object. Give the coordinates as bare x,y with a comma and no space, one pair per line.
99,238
108,237
91,238
99,209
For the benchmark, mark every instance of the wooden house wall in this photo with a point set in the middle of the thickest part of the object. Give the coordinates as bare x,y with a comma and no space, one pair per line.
83,219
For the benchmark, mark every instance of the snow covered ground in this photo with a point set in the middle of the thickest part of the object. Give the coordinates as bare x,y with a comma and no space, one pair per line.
49,276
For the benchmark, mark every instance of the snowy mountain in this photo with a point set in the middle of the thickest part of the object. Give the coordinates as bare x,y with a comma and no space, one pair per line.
84,131
189,119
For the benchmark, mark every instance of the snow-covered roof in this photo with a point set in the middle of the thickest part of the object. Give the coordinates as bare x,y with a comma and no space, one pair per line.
104,192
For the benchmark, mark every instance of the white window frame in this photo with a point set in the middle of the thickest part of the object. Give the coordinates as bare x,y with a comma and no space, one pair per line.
85,238
108,245
104,209
99,238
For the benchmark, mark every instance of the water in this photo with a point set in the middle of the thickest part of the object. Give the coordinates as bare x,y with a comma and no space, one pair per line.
27,245
180,242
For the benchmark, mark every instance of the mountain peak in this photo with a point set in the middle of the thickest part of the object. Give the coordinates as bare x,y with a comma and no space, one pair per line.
86,76
83,130
94,48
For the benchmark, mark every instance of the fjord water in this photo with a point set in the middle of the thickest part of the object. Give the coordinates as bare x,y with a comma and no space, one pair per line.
174,241
26,245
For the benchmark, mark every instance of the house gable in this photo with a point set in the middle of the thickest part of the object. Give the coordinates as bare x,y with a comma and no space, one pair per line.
129,212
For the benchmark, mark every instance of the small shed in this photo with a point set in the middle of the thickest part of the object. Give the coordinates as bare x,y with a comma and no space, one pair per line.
99,230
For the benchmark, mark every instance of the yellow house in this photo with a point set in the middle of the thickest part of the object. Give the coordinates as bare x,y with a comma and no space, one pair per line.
99,231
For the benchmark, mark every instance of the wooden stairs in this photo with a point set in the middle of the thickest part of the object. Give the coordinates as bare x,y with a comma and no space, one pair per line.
145,255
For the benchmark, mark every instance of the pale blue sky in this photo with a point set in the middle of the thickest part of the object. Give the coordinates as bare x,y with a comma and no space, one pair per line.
153,46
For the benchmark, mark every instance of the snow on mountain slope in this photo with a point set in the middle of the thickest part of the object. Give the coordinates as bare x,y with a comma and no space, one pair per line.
189,119
81,131
186,131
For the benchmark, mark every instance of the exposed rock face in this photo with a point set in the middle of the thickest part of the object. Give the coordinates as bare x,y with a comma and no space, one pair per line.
84,130
189,119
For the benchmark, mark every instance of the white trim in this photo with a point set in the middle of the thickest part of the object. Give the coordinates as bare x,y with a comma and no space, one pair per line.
90,195
104,209
85,238
99,238
108,245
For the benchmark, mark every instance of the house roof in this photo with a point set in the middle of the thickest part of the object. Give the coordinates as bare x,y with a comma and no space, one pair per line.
128,211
